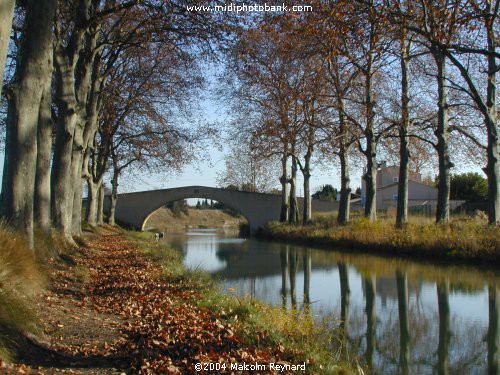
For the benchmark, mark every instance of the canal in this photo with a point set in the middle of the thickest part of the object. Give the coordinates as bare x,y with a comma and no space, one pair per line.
395,315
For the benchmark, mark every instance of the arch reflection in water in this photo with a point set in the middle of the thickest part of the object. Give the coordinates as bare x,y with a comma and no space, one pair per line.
452,311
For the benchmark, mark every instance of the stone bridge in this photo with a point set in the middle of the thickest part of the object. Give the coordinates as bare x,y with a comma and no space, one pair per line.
133,209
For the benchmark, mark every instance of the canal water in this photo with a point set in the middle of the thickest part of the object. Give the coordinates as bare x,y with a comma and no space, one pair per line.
397,316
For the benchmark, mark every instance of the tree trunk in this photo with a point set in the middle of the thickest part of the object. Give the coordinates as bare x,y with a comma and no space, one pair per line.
22,119
114,196
6,15
44,154
100,205
76,206
442,134
404,325
404,153
444,329
62,191
92,203
76,178
493,147
294,207
284,192
345,180
370,176
306,172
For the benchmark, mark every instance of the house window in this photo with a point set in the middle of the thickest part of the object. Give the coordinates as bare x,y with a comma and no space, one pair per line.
395,179
395,197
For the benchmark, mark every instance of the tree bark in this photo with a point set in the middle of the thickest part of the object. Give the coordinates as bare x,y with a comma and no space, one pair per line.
76,206
284,186
345,180
22,119
442,134
493,147
44,155
88,81
294,207
62,192
306,172
404,153
6,15
370,176
73,64
114,197
100,205
92,203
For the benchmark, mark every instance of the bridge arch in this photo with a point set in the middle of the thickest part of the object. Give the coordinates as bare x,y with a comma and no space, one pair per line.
133,209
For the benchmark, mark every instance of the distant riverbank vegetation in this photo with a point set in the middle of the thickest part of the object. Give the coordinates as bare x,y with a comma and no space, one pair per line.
462,239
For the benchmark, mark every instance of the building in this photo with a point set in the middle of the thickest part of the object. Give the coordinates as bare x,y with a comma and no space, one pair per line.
419,194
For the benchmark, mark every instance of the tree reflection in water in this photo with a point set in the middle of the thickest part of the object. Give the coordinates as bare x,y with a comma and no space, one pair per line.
371,319
404,325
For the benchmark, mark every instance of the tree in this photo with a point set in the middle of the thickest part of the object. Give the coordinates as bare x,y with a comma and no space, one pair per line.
484,15
369,35
245,168
267,86
326,193
33,75
470,186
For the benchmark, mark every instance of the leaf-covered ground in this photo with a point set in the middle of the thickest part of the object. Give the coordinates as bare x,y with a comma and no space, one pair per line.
112,310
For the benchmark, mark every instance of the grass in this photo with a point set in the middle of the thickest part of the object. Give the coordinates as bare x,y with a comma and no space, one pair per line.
461,239
20,278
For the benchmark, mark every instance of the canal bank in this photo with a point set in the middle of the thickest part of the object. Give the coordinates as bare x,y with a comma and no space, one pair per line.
464,241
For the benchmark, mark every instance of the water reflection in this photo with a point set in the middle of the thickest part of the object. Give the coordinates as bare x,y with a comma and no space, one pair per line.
284,275
404,325
453,312
493,336
344,299
444,328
